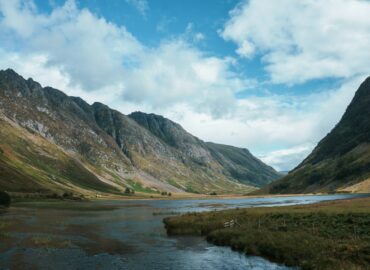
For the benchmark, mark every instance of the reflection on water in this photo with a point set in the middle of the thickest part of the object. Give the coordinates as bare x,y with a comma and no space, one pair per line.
123,235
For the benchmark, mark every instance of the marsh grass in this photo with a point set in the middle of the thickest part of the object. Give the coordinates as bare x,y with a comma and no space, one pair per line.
4,224
166,213
49,242
322,236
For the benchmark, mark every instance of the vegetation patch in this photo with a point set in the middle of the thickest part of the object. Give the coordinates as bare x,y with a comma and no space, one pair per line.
165,193
138,187
5,199
129,191
173,182
4,224
322,236
166,213
191,190
46,241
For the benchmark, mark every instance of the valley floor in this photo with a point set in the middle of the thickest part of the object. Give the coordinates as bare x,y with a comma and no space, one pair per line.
328,235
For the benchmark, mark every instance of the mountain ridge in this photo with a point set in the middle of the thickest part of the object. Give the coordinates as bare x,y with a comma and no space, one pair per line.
120,150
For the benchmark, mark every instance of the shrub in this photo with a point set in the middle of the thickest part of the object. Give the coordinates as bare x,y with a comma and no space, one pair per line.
5,199
129,191
213,193
67,195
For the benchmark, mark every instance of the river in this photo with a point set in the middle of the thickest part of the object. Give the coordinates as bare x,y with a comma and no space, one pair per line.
123,235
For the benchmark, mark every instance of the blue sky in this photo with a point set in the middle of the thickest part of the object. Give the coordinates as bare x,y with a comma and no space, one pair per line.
167,19
271,76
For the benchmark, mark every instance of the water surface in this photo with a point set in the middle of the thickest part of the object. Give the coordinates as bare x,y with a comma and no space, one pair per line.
123,235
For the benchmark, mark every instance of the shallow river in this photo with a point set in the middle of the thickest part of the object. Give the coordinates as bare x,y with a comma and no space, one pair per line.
123,235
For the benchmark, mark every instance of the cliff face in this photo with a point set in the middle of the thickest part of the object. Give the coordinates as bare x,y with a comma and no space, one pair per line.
341,160
109,148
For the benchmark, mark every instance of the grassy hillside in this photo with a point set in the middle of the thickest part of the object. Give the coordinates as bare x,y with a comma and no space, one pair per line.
341,159
29,163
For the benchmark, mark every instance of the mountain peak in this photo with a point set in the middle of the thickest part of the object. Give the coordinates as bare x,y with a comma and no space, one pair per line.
10,74
165,129
9,71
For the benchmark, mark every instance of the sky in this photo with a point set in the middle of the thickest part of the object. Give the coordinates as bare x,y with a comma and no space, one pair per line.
271,76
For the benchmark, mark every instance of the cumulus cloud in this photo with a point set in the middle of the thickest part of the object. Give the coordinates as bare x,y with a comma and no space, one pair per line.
90,49
303,40
178,73
98,55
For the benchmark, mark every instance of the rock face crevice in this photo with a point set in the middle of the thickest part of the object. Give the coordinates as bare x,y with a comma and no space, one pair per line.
116,148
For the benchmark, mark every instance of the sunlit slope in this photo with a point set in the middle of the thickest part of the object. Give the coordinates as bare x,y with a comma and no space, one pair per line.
30,163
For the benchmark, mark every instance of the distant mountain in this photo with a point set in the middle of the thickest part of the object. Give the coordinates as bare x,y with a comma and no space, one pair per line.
341,161
237,163
240,164
51,142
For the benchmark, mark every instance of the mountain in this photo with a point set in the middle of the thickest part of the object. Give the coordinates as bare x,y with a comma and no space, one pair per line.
341,161
237,163
52,143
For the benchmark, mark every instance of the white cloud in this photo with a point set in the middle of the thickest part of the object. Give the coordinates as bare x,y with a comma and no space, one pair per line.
303,40
177,73
199,36
283,159
36,66
141,5
89,49
99,56
298,41
273,126
192,35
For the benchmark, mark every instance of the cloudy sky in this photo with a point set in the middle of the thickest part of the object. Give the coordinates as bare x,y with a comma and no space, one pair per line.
271,76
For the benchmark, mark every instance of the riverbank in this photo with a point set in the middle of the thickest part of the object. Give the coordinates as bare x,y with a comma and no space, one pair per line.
327,235
30,197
